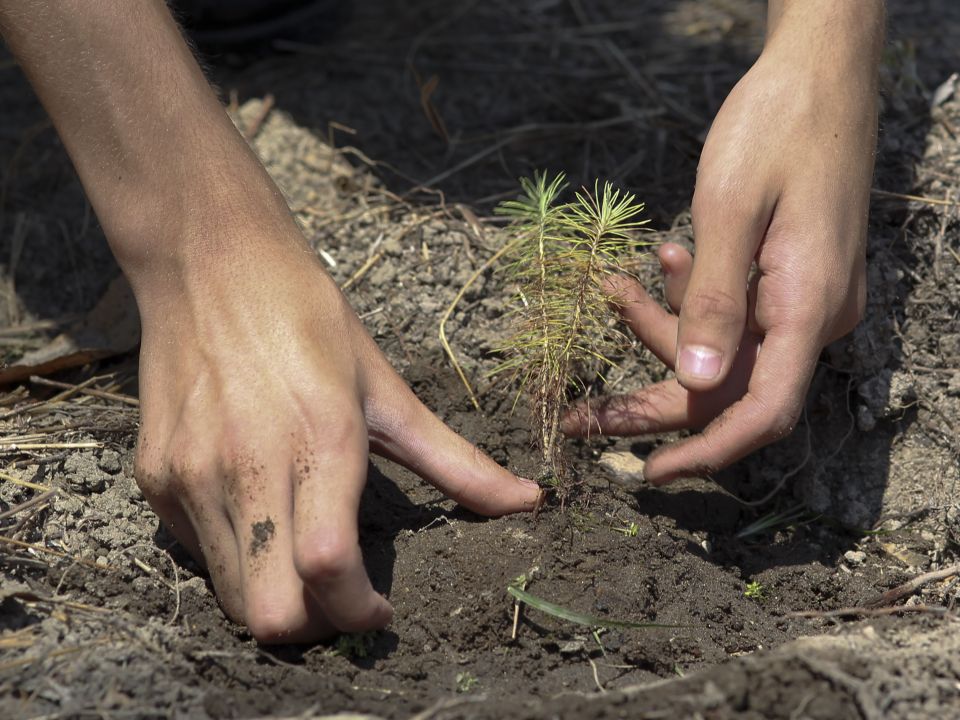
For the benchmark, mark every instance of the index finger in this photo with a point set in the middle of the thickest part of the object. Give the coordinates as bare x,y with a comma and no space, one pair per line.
767,412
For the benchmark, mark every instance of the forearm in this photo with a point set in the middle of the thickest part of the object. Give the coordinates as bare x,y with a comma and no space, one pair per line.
831,27
157,155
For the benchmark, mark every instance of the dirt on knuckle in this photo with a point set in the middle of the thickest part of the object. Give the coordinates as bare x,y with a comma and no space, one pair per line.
148,476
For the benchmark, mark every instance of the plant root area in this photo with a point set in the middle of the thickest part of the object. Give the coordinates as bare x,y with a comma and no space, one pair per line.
815,579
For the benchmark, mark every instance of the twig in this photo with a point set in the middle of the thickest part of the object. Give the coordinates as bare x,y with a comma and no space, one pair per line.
24,483
14,447
55,553
59,397
55,654
914,198
176,588
516,619
453,306
32,502
31,597
908,588
464,164
870,612
17,331
362,270
790,473
102,394
615,53
596,675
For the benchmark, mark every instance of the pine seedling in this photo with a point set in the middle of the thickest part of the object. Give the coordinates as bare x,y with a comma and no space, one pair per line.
561,254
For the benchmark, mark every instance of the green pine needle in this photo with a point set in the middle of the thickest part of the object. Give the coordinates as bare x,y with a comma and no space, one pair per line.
563,254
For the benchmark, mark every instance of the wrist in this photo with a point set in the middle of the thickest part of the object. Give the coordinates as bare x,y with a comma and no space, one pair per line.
201,207
832,31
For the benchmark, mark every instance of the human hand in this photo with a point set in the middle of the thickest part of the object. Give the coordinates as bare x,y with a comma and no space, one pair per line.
783,182
261,394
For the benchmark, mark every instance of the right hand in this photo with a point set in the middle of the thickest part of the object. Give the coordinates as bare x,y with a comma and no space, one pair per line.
261,395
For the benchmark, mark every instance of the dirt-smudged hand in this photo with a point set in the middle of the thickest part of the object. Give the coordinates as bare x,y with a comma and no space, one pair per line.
261,394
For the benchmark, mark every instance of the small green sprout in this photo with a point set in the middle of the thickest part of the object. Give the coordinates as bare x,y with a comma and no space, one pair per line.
631,530
466,682
755,591
583,522
354,645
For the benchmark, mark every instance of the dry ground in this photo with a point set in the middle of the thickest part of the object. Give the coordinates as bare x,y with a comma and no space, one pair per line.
101,615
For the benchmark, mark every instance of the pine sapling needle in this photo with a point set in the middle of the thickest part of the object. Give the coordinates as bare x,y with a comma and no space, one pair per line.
560,256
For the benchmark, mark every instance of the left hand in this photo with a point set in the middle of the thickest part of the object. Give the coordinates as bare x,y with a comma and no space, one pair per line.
783,182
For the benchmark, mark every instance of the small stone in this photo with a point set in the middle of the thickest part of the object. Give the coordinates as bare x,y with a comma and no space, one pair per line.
571,647
855,557
865,419
625,468
384,275
195,585
110,462
83,474
392,246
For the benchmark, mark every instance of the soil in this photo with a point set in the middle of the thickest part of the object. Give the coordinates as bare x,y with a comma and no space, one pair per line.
102,614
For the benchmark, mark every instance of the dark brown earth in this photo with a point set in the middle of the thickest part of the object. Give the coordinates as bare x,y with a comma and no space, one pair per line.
102,615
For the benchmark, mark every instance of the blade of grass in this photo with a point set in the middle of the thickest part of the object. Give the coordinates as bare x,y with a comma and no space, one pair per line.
558,611
453,306
774,520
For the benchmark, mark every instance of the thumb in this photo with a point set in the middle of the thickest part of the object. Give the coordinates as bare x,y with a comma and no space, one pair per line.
714,308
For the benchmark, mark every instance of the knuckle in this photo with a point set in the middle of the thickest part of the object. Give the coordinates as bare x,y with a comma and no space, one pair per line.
149,477
713,305
336,424
184,459
270,620
323,560
714,192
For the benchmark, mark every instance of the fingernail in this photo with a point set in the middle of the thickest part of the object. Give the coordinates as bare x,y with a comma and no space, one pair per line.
528,482
699,362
